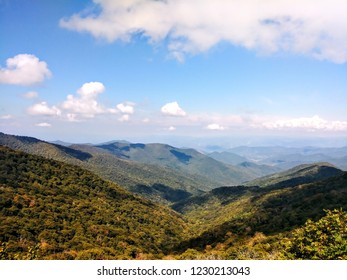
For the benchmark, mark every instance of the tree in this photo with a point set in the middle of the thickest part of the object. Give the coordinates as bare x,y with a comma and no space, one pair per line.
325,239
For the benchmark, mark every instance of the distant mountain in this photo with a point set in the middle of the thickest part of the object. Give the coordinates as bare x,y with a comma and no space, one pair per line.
286,157
187,161
227,157
144,179
258,170
61,143
259,153
54,210
306,173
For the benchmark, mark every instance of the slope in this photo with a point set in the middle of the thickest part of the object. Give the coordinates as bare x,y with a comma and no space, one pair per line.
186,161
158,183
305,173
229,214
53,210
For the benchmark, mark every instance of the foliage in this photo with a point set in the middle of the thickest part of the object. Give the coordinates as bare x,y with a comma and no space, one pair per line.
325,239
52,210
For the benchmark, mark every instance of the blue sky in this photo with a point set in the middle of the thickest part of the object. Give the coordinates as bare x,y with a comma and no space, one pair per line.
144,70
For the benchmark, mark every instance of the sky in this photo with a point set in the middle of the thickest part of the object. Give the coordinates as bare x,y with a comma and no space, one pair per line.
176,71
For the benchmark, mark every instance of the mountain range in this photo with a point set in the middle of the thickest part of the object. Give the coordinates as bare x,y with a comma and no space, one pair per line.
157,171
121,200
286,157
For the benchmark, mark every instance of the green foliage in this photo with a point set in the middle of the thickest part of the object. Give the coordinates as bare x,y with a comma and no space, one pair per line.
52,210
325,239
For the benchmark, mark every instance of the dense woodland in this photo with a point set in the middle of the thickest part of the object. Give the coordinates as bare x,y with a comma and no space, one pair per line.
54,209
59,211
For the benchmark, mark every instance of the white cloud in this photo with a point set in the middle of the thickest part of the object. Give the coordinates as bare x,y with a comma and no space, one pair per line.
31,95
44,124
6,117
172,128
309,27
124,118
314,123
215,126
85,104
24,70
126,108
173,109
43,109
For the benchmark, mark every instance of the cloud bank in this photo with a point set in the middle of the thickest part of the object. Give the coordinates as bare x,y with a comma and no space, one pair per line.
307,27
24,70
312,124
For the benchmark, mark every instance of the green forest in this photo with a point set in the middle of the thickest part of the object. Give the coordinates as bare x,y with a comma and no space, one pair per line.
53,209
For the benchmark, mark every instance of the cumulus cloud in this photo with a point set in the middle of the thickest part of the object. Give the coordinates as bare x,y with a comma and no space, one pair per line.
85,103
309,27
31,95
172,128
43,109
215,126
80,106
24,70
44,124
314,123
173,109
126,108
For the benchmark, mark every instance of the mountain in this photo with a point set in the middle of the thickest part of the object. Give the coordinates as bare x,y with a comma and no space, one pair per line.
258,170
54,210
288,157
231,220
187,161
305,173
157,183
227,157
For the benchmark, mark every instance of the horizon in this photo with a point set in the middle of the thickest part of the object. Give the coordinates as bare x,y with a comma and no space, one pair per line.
184,73
208,145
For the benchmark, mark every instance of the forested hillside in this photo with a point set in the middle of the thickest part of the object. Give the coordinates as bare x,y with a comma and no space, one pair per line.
59,206
58,211
186,161
158,183
230,217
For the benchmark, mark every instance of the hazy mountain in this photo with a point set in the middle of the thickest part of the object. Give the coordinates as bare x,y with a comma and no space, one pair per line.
61,143
286,157
227,157
186,161
306,173
260,153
